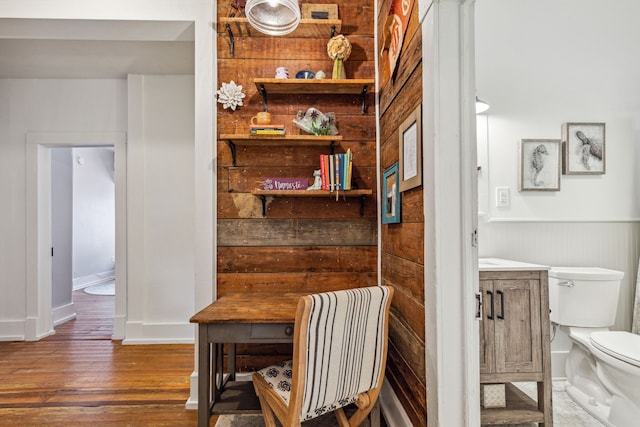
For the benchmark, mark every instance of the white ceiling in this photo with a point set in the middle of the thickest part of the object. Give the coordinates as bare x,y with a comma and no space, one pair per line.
39,48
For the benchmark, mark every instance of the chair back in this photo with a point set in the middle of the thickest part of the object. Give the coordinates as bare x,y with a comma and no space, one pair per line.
342,339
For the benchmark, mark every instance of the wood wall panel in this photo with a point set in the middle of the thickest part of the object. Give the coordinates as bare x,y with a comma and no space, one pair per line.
303,244
403,243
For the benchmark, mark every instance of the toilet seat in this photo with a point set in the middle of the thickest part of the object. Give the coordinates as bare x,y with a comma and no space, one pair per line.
621,345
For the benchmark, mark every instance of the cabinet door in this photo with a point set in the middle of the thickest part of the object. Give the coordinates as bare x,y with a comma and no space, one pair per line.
487,349
517,326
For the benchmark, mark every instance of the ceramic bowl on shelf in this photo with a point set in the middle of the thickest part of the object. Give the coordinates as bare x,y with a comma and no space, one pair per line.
305,74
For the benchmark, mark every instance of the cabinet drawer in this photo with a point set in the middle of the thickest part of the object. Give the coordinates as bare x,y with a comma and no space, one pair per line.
267,331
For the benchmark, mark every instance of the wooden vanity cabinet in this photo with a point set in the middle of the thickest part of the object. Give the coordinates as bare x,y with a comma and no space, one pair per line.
515,344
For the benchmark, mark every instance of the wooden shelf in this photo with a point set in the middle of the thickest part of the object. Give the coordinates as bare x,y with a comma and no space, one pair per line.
314,86
361,193
282,140
520,409
249,140
308,28
312,193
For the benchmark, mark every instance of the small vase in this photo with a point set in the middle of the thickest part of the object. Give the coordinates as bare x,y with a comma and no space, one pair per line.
338,70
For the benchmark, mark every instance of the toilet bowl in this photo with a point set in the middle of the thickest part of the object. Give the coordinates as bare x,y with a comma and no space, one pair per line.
603,366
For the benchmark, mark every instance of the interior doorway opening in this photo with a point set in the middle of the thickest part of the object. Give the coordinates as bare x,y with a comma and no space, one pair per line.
39,242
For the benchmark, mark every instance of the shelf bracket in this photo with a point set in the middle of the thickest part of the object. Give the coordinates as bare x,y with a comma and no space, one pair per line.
232,147
263,92
232,48
333,147
263,199
333,31
363,99
362,205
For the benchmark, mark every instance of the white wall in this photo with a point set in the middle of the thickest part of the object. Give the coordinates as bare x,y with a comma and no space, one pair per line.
161,199
61,232
541,63
56,109
93,214
37,106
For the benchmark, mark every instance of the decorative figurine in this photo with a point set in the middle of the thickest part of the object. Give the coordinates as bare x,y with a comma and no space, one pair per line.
339,49
317,181
282,73
230,95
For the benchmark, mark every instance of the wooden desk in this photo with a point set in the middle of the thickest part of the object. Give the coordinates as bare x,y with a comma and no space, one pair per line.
232,319
241,318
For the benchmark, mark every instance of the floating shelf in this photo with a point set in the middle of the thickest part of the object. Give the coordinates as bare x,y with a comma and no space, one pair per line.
361,193
234,140
315,86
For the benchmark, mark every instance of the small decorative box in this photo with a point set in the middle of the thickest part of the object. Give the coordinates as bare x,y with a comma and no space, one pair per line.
493,396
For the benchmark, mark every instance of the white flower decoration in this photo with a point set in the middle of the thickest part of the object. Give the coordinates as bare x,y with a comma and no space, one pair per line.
230,95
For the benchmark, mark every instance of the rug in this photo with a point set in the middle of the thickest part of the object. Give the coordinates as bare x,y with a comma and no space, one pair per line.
328,420
108,288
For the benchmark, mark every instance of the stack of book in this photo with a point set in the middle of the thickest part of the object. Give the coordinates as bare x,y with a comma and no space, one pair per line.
336,170
267,130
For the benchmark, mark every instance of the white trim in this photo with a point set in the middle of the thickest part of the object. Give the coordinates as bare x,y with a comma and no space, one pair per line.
12,330
159,333
450,268
567,220
391,408
39,323
93,279
63,314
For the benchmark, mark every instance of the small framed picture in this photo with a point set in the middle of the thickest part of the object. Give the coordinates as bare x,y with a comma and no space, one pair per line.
391,196
411,151
583,148
540,161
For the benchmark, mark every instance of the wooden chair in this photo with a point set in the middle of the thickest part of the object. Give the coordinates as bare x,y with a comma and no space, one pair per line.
339,358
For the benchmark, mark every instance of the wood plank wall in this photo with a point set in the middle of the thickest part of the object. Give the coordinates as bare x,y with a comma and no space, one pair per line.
303,244
403,244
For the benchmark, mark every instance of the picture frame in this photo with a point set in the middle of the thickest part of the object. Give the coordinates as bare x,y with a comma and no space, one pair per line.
540,165
391,196
584,148
410,137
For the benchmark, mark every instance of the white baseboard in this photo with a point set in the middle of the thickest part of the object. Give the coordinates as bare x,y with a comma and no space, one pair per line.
159,333
93,279
63,314
12,330
119,327
392,410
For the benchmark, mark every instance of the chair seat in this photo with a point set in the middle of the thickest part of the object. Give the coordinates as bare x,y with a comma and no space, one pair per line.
279,379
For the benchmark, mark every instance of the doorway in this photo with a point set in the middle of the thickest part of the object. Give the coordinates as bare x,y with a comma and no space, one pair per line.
83,237
39,287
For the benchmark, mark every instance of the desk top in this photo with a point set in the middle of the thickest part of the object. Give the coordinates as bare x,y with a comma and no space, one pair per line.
250,308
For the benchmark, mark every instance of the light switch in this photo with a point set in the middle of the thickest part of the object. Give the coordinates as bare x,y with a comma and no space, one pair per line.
502,197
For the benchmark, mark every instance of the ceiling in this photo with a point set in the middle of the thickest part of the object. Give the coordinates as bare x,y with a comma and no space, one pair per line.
94,49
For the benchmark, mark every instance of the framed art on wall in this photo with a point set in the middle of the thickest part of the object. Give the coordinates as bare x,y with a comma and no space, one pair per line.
584,152
410,136
390,196
540,165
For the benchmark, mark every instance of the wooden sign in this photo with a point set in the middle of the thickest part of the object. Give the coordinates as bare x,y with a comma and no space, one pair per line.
393,34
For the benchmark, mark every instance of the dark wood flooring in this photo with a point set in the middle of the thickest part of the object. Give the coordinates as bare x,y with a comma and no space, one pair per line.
80,377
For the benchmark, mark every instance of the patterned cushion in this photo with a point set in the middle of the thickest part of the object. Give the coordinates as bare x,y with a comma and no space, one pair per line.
279,378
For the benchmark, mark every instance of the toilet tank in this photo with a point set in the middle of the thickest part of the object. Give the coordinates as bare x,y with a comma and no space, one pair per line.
584,296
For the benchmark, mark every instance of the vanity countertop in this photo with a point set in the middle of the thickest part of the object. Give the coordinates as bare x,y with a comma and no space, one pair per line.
498,264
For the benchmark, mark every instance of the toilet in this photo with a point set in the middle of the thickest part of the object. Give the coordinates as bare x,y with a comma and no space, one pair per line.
603,366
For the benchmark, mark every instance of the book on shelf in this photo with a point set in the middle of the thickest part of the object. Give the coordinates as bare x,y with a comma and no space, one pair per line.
336,171
267,130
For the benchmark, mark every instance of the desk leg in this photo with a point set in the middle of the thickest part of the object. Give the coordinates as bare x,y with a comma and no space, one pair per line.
231,361
204,377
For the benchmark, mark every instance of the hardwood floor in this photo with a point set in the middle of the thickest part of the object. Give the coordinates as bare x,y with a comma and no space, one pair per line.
79,377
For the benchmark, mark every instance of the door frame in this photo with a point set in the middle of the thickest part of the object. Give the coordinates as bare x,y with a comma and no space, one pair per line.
39,320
